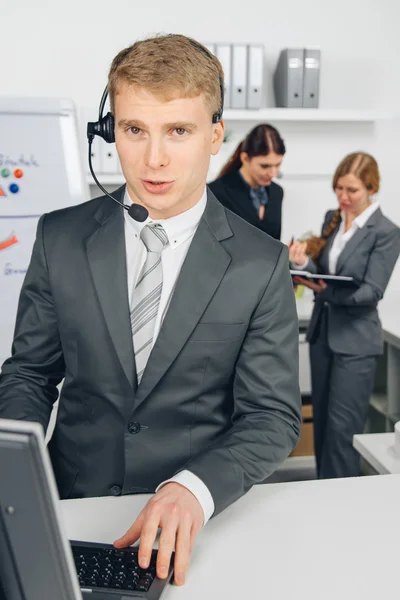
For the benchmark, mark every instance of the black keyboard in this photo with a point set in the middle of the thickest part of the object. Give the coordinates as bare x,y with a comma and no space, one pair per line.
103,566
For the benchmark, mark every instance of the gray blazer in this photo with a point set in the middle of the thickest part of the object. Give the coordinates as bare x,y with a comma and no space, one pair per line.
220,393
369,256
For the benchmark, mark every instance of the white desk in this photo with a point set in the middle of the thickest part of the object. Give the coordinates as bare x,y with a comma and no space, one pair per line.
378,450
313,540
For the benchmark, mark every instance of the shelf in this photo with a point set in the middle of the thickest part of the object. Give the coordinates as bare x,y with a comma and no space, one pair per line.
305,114
279,114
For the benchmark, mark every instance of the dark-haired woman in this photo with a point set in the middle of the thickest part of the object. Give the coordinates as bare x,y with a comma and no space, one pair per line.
245,184
345,333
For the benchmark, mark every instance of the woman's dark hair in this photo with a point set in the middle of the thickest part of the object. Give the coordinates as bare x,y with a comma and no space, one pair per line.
261,140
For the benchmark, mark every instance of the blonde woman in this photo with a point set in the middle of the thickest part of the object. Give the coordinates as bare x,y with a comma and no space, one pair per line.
345,333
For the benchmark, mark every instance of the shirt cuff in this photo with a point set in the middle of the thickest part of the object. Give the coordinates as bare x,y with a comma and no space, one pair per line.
199,489
297,267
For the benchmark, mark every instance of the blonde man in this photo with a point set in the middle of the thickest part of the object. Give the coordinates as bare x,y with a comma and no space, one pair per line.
177,337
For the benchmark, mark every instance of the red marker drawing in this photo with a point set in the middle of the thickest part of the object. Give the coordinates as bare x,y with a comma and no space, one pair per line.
10,241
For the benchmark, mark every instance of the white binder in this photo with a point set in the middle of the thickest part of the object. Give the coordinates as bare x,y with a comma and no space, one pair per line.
210,47
109,158
96,155
255,79
85,115
239,75
312,67
223,53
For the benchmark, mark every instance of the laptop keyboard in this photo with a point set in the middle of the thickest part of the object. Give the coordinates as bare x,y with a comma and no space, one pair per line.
103,566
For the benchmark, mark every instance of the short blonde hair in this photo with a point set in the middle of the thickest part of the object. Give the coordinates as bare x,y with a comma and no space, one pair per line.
167,66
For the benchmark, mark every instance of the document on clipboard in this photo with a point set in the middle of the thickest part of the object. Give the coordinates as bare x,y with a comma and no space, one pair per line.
339,281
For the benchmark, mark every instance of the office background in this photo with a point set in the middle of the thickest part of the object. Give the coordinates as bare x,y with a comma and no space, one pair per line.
58,49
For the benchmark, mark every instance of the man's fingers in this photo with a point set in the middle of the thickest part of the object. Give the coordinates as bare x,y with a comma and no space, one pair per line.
133,533
183,549
177,512
166,543
148,534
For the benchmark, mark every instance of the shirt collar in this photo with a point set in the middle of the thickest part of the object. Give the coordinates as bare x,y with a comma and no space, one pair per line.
178,228
246,182
362,218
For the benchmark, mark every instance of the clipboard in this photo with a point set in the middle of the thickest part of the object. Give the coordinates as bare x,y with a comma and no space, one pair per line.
338,281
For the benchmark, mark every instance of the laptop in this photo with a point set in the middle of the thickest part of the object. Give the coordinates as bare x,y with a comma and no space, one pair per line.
37,561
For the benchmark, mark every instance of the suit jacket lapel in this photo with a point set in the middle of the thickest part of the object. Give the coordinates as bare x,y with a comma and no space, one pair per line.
107,258
356,239
202,271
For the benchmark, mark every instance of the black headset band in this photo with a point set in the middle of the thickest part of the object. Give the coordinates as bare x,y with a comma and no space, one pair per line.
105,126
216,116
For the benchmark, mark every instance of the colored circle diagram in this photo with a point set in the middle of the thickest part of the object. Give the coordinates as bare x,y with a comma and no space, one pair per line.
13,188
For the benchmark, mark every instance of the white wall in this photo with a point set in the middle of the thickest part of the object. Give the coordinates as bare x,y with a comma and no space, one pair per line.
65,49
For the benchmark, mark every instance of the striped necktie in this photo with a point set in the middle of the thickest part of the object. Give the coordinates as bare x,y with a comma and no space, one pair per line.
147,295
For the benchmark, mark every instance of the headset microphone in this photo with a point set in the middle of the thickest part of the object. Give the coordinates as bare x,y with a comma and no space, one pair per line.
136,211
104,128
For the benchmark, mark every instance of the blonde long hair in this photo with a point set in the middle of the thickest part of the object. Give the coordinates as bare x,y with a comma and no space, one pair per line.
363,166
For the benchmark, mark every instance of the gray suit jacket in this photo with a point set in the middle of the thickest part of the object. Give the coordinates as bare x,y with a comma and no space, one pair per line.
369,256
220,392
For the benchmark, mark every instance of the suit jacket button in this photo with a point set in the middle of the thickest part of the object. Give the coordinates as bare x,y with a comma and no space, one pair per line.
115,490
134,427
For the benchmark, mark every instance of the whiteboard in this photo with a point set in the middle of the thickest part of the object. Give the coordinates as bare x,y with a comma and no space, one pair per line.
40,171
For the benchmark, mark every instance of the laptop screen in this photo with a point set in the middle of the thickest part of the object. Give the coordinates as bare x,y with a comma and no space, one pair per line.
35,556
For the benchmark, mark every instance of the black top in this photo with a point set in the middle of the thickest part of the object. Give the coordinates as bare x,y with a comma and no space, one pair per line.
232,191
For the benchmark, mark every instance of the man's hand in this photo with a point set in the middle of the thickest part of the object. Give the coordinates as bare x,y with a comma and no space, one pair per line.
316,287
180,516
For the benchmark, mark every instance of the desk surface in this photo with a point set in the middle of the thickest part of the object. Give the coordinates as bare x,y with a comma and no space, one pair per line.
378,449
330,540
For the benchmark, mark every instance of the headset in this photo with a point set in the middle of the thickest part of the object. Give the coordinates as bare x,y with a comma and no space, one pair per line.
105,128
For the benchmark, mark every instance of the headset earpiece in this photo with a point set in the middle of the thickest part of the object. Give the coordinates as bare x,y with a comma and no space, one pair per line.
108,128
104,128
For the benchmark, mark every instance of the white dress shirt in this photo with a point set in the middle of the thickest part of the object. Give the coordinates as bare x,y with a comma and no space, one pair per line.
180,231
342,237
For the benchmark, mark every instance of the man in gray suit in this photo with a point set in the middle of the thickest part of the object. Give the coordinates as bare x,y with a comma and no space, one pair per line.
177,338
